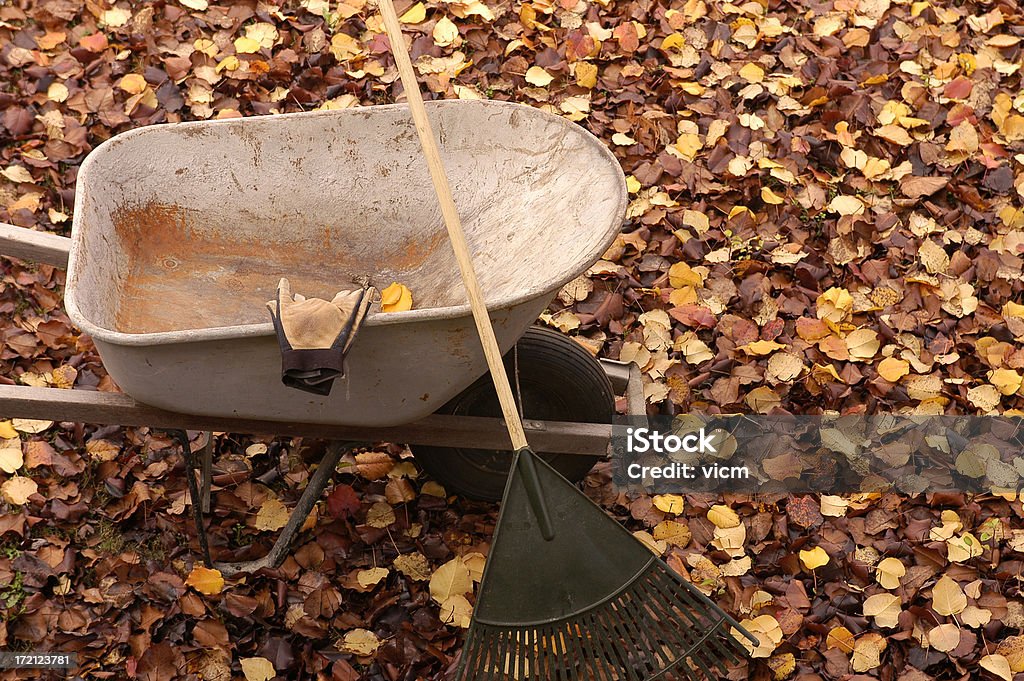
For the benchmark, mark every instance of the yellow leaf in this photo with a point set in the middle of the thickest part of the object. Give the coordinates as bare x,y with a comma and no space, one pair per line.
445,32
205,580
246,45
723,516
840,637
396,298
262,32
885,608
998,665
672,532
229,63
115,17
380,515
963,548
782,665
360,642
31,426
681,274
768,632
846,205
11,458
833,506
933,257
947,597
1012,648
133,84
889,571
1006,381
761,347
632,184
18,489
535,75
752,73
57,92
894,134
834,305
344,47
814,559
16,174
862,345
892,369
456,612
623,140
451,579
272,516
657,547
586,76
414,566
784,366
206,46
867,652
414,14
667,503
197,5
371,577
770,197
673,42
7,430
258,669
944,637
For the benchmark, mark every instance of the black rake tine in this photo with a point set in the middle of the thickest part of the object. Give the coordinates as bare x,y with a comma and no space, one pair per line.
594,661
575,650
603,644
712,636
618,638
642,638
469,656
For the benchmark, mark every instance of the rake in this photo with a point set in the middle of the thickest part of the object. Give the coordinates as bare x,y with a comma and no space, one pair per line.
584,601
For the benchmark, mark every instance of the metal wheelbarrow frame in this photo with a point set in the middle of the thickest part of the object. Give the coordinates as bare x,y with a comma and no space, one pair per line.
103,408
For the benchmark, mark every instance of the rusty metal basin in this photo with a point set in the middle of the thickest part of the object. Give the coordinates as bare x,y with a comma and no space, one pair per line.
181,233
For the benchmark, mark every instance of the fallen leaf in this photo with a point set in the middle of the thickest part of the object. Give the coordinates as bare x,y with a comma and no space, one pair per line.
18,489
814,559
272,516
207,581
360,642
669,503
536,75
396,298
947,597
451,579
258,669
889,572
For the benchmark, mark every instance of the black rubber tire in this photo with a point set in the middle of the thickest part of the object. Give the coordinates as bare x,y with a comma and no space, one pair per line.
558,380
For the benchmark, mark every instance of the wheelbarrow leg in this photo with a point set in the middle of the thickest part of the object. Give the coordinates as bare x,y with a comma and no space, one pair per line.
193,490
321,478
207,476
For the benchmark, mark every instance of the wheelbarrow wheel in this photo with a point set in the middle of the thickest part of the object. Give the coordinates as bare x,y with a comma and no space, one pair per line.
558,381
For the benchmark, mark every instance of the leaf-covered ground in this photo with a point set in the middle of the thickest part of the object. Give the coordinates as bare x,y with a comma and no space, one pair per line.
826,215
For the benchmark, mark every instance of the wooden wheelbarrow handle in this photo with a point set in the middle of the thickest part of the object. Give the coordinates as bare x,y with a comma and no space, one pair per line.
28,244
454,225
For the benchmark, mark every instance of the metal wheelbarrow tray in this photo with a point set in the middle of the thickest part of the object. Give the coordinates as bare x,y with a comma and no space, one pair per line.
182,231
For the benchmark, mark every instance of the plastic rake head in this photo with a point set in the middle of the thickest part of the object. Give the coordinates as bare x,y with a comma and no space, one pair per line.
591,603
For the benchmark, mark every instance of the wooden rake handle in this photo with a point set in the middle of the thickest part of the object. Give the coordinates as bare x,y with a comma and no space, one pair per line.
451,220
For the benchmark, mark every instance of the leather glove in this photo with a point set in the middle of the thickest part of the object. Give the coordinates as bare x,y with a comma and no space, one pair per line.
315,335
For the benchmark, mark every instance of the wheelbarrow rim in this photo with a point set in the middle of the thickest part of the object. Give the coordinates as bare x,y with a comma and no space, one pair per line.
373,319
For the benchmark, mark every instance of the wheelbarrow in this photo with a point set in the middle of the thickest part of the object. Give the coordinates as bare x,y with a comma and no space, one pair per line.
181,233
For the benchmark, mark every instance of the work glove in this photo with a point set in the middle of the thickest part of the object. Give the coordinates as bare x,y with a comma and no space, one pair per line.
315,335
